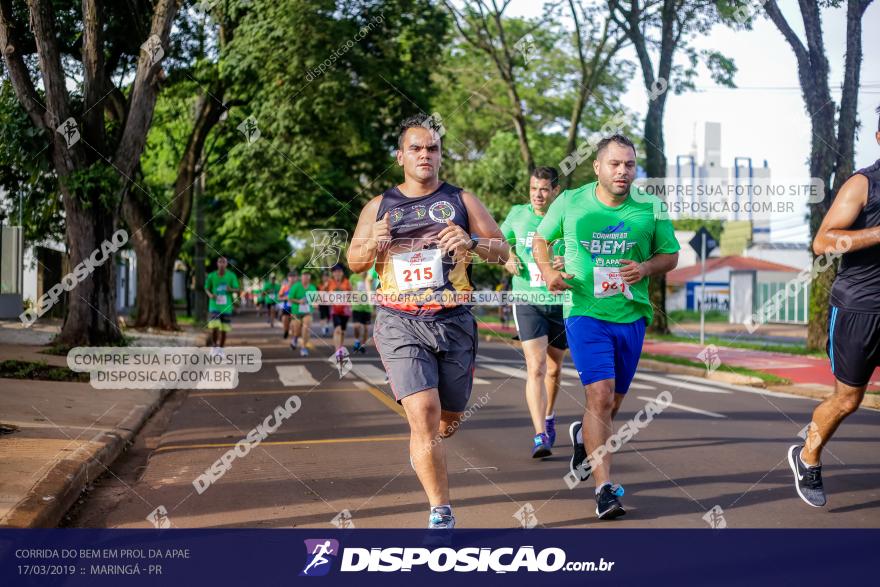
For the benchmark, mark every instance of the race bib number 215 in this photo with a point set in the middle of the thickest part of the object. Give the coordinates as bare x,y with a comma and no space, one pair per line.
418,269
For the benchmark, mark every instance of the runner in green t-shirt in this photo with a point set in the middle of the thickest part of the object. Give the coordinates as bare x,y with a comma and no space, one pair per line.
301,310
270,298
255,296
540,326
284,305
362,313
615,238
221,287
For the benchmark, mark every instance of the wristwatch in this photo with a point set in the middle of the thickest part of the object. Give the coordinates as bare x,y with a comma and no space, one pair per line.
474,242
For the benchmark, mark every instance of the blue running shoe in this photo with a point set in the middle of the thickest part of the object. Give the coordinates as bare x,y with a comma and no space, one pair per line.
608,504
541,446
441,518
550,428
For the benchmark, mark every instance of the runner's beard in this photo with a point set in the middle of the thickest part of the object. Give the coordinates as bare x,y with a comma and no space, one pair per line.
618,190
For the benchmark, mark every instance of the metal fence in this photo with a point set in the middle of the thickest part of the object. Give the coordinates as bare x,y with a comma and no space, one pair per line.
793,310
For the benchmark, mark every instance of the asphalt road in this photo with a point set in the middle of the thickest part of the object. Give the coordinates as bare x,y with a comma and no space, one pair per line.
715,457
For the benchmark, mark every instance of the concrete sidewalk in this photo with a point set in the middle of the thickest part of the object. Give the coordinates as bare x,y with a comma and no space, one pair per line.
68,433
13,332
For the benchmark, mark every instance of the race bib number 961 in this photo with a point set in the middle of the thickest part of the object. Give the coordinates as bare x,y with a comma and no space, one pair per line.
608,282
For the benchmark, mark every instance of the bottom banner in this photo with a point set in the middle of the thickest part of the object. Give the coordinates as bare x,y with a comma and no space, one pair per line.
397,557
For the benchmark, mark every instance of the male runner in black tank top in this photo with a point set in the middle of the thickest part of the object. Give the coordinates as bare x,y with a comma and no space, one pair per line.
851,225
419,235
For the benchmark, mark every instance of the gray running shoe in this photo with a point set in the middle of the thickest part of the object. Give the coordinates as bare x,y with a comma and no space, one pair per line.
807,480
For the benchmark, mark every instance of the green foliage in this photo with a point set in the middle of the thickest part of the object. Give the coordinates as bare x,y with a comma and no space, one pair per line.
39,370
679,316
99,182
713,226
481,150
326,84
26,174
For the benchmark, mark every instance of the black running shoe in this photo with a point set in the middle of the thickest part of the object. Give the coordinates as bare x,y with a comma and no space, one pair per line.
608,504
807,480
579,465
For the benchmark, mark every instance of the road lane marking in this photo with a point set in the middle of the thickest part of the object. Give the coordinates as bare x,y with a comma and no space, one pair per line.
289,442
295,375
272,392
519,373
369,373
689,385
749,389
686,408
382,397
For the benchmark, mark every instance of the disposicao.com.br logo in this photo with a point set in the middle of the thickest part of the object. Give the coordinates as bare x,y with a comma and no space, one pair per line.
320,554
440,560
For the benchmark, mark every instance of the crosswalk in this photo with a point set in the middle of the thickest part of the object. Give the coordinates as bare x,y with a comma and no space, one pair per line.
702,398
293,375
490,371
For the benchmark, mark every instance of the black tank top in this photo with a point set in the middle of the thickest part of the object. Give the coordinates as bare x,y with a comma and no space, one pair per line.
414,263
857,285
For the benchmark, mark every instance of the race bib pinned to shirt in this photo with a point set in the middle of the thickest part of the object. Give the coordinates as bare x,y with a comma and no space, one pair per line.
608,282
535,277
418,269
221,299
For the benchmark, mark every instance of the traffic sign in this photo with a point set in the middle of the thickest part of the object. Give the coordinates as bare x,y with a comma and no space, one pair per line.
697,242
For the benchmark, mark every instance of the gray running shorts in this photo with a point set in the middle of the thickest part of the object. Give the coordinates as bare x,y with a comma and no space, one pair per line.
423,354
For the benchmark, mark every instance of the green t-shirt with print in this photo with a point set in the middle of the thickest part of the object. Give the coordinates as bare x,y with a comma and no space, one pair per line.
518,229
221,287
270,293
298,292
597,237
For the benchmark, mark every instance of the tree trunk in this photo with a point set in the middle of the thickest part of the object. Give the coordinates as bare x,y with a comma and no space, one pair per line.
91,305
835,156
155,303
655,166
655,158
89,211
525,150
157,254
830,155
